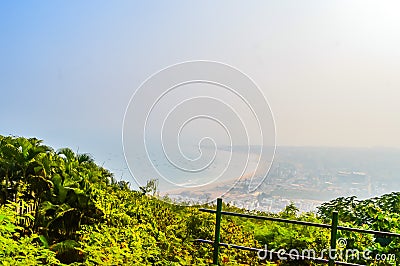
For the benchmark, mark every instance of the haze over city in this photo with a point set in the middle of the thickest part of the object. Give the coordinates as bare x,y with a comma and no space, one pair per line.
200,132
329,70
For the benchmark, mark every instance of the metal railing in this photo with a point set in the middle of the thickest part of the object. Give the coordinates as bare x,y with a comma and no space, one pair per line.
334,227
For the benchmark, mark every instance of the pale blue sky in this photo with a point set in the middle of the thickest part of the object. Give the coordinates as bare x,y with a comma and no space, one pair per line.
330,70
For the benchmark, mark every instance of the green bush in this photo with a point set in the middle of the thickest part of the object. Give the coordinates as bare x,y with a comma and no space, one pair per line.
58,207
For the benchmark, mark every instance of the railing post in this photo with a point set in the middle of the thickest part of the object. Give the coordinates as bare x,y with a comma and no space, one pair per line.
217,231
333,238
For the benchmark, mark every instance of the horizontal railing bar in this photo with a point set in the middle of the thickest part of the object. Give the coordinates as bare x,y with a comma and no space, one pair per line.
367,231
277,253
268,218
344,228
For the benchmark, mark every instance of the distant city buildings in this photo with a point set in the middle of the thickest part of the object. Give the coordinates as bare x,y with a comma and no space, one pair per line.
307,182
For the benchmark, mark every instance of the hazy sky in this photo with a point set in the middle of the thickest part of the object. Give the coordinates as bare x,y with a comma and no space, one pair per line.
330,70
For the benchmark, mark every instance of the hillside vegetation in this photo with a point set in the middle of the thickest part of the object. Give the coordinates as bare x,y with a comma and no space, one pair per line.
61,208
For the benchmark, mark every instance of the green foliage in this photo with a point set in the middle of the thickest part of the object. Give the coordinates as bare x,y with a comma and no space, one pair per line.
379,214
16,249
59,207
